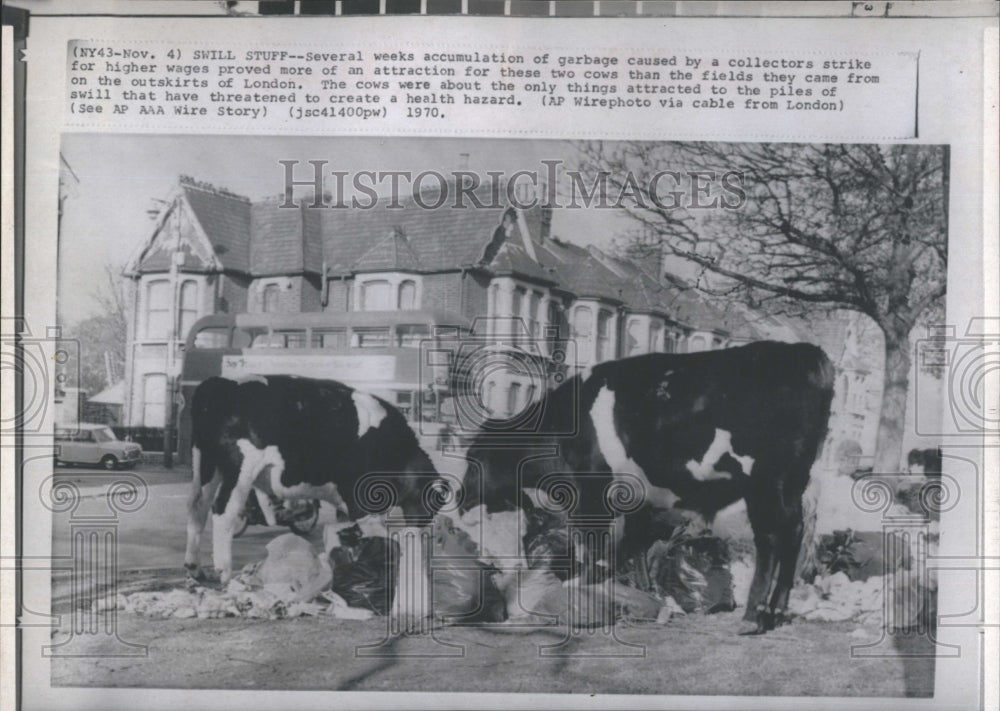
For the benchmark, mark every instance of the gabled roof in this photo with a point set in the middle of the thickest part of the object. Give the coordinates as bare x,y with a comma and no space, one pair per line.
225,219
159,259
513,259
441,239
392,253
285,239
589,278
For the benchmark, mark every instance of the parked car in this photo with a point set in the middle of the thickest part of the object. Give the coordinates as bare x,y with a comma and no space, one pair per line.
88,443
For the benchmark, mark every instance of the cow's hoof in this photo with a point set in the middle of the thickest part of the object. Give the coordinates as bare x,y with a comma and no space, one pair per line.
195,572
748,629
762,621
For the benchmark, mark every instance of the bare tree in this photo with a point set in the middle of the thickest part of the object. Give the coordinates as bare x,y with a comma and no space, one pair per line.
102,339
858,227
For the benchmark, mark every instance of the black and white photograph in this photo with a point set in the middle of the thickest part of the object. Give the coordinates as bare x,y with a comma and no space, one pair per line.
515,355
500,415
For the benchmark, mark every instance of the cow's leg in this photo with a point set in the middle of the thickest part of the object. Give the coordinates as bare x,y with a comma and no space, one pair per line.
764,509
228,507
198,505
787,552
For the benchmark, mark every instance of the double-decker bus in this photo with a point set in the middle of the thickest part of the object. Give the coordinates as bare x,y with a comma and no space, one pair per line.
375,351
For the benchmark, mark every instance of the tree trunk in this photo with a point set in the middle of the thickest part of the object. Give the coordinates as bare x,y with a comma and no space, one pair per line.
892,419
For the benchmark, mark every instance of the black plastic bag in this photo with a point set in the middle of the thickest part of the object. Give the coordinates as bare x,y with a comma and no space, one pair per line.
546,541
365,574
694,571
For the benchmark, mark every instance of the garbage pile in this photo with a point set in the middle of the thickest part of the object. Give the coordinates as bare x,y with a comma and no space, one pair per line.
858,582
486,568
518,567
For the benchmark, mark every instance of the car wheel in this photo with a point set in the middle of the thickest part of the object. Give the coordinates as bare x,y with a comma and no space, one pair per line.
110,462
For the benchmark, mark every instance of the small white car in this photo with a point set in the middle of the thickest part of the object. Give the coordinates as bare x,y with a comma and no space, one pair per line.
87,443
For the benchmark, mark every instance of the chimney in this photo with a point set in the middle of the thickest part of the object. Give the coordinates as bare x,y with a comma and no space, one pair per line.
546,224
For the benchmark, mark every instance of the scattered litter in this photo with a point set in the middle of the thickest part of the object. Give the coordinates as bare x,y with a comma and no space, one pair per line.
339,608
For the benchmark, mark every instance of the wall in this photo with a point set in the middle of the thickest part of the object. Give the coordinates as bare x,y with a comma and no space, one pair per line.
476,295
311,291
339,295
442,291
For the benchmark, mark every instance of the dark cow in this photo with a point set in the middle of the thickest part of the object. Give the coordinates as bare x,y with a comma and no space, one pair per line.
300,438
700,431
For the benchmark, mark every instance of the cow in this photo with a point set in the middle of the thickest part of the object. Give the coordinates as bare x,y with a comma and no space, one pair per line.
302,438
698,431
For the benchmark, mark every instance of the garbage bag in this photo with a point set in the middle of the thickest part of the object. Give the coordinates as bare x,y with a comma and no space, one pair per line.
465,591
292,571
710,556
694,571
546,541
535,596
365,574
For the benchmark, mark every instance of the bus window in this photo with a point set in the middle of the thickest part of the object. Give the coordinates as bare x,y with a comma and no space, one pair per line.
250,337
371,337
288,338
264,340
212,337
329,338
411,334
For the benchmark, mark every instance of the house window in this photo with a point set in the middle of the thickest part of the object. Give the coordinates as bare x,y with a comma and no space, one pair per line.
516,306
158,310
656,344
154,398
697,344
670,343
604,340
376,296
272,299
407,295
553,326
582,322
534,325
189,307
633,341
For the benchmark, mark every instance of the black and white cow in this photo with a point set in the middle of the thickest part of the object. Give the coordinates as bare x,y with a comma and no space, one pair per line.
700,431
300,438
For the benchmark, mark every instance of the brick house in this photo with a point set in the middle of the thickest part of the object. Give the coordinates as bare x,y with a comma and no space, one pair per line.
211,251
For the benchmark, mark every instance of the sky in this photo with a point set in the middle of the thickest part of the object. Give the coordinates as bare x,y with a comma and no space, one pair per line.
106,218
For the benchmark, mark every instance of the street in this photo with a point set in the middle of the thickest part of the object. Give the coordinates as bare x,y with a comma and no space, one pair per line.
155,535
